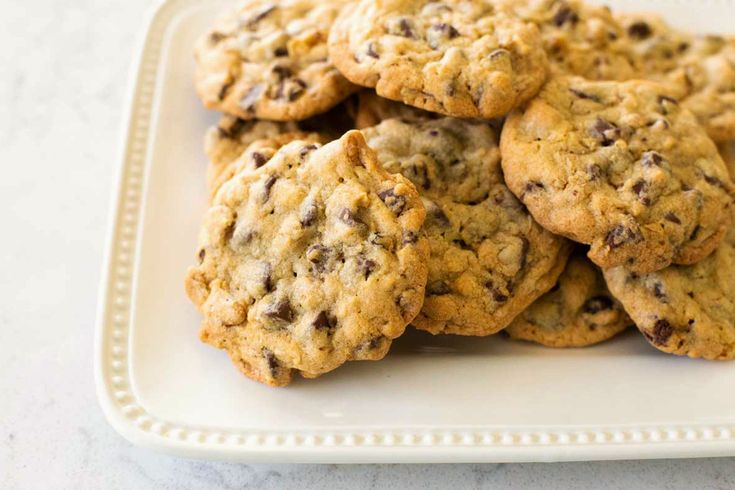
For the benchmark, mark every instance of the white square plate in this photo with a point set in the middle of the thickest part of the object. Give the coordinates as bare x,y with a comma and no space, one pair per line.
433,399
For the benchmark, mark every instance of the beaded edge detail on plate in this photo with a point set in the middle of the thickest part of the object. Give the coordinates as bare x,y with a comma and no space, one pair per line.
115,327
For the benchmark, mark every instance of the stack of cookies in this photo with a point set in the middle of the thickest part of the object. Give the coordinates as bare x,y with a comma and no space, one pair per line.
542,168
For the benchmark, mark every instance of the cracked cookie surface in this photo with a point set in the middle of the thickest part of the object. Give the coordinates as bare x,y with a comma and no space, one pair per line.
578,311
460,58
311,260
622,167
489,260
684,309
268,60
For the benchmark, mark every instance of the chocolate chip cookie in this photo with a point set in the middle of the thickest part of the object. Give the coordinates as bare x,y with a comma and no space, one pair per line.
699,69
462,58
580,38
578,311
706,77
684,309
268,60
489,260
311,260
620,166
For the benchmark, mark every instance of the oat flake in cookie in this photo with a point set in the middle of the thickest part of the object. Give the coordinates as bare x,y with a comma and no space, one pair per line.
314,259
268,60
621,167
461,58
577,312
489,260
684,310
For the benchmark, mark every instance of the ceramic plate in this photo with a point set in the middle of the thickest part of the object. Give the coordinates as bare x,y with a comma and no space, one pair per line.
433,399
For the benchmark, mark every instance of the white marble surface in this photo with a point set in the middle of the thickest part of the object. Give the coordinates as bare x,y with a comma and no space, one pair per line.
63,69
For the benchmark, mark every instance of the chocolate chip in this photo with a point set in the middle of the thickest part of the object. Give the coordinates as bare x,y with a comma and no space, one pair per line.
297,90
405,27
309,215
437,215
564,15
318,255
281,51
242,236
652,159
419,175
461,244
658,292
584,95
266,278
371,344
323,321
267,186
248,102
410,237
260,15
366,266
438,288
662,330
672,217
228,231
395,203
498,296
349,218
620,235
282,72
201,255
217,37
640,187
306,150
371,51
596,304
272,360
280,310
605,132
594,171
233,130
639,30
531,187
225,88
258,159
446,29
712,180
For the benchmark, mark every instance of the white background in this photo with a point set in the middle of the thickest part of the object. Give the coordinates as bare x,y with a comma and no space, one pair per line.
63,70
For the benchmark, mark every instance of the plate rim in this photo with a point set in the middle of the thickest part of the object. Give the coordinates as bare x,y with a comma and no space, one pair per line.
130,419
